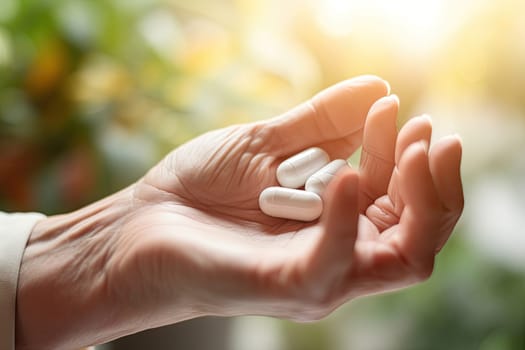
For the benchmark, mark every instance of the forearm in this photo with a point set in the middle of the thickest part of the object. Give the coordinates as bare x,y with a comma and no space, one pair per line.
62,297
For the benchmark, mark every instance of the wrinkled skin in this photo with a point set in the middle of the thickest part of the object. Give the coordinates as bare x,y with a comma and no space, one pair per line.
188,239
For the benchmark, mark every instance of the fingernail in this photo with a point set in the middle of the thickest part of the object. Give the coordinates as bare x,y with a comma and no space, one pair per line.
366,78
370,78
389,99
383,103
426,117
423,117
388,88
456,137
394,98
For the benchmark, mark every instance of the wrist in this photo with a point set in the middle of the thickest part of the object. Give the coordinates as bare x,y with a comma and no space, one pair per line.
62,299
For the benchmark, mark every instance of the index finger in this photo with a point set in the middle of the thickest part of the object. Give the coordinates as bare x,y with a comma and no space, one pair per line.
335,114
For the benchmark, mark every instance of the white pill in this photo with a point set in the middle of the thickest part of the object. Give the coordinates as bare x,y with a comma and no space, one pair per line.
319,181
294,171
290,203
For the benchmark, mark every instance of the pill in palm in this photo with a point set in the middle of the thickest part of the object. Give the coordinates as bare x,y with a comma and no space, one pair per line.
294,171
290,203
319,181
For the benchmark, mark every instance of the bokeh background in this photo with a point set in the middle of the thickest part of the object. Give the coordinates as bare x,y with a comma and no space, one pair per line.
93,93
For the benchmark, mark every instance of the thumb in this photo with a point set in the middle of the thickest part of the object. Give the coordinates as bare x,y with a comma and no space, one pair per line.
333,255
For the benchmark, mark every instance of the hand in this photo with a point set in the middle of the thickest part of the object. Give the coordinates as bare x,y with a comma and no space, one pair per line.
189,239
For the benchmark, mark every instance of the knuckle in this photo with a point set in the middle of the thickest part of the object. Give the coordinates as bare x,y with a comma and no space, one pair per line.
424,271
317,298
322,298
311,298
461,207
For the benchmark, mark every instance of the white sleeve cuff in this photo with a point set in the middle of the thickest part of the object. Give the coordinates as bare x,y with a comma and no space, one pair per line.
14,232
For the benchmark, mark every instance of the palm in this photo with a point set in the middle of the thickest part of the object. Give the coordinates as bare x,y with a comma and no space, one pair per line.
234,165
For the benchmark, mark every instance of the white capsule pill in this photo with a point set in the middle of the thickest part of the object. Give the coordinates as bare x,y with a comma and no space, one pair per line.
294,171
319,181
290,203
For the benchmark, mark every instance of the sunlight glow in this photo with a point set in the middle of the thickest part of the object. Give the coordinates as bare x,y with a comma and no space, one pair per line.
334,16
413,21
